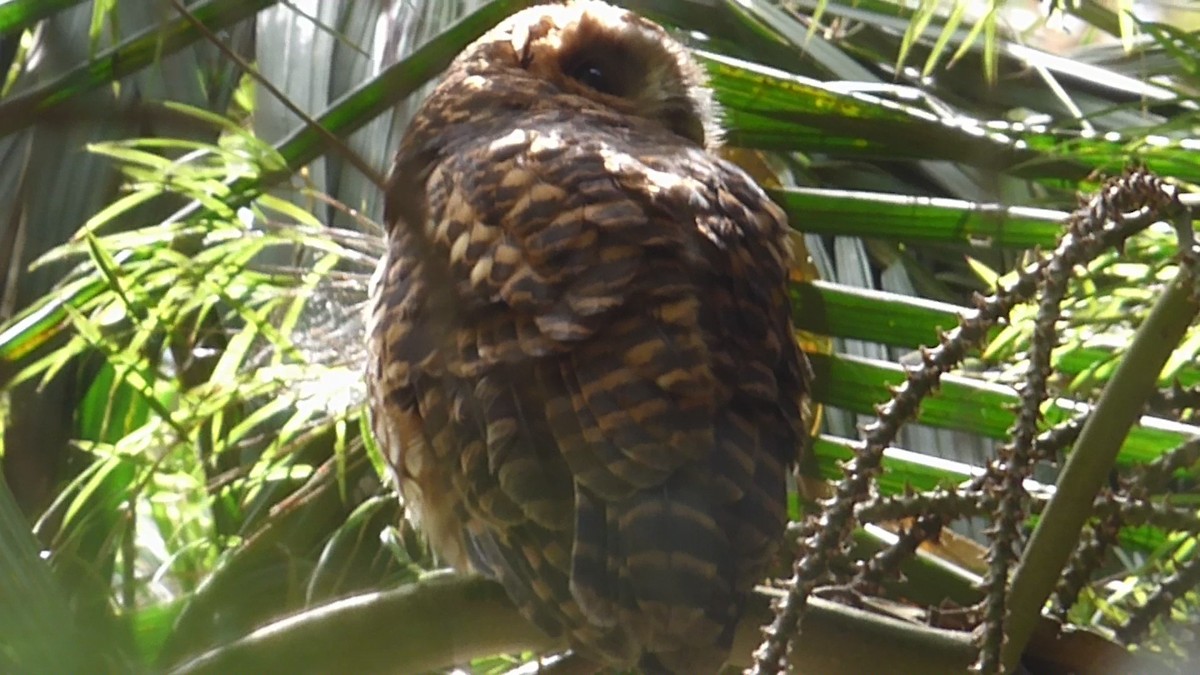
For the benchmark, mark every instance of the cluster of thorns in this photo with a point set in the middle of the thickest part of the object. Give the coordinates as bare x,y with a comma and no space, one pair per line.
1123,207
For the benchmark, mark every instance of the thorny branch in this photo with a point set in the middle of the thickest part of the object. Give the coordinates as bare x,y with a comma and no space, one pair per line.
832,528
1094,544
1123,207
1185,578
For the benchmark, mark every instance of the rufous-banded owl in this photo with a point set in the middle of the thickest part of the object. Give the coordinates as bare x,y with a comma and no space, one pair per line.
582,366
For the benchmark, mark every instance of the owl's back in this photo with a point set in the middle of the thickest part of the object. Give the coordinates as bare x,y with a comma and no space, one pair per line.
582,363
585,377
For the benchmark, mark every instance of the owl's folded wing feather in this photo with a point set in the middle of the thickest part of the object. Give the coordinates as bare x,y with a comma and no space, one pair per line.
611,358
547,249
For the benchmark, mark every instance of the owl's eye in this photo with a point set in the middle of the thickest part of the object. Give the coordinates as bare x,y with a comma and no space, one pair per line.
608,70
592,75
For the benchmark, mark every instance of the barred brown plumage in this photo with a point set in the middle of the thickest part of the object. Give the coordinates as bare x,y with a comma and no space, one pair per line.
582,365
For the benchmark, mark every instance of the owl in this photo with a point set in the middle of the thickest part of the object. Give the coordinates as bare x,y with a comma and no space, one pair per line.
581,361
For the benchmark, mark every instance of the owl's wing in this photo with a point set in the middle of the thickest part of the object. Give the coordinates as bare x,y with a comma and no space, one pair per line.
598,342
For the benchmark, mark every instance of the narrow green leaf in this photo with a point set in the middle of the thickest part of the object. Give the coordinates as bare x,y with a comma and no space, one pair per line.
903,469
865,314
39,629
925,11
953,20
39,323
906,321
770,109
395,83
20,15
111,409
374,453
909,218
110,212
859,384
360,106
131,55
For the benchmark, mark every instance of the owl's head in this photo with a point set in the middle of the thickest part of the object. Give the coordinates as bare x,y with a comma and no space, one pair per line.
585,54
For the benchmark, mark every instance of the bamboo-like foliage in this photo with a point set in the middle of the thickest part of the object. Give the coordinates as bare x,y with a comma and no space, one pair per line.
188,299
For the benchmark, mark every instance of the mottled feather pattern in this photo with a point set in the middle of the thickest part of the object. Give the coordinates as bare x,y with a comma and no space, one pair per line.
582,364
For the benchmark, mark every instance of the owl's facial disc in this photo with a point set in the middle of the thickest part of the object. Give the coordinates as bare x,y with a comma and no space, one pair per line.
616,59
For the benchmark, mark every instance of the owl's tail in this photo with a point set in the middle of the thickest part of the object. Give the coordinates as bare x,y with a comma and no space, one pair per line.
659,564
